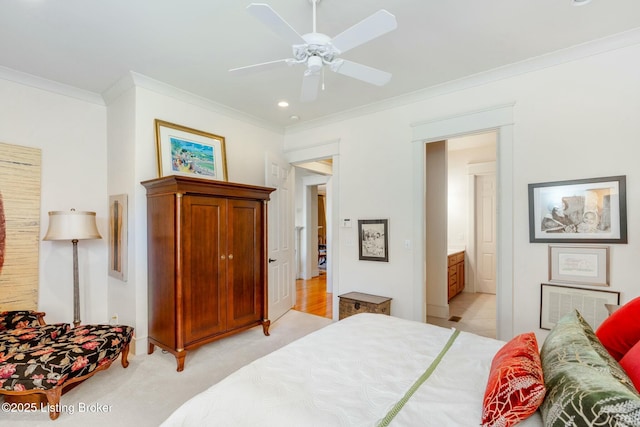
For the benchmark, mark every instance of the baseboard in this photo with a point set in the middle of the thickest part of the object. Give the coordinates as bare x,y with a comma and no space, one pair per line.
439,311
135,348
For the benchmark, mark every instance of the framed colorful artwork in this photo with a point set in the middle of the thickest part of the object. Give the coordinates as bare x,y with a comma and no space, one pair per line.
190,152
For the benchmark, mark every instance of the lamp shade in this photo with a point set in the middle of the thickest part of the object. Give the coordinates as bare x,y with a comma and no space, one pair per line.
72,225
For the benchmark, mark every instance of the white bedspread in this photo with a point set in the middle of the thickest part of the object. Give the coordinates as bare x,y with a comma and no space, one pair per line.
351,373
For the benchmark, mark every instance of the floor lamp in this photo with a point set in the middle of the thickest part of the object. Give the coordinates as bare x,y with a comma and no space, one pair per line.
74,226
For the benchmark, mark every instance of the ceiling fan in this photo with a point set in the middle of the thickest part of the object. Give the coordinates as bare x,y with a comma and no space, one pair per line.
315,50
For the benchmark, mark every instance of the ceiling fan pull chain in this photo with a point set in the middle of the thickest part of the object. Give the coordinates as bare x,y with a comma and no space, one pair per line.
323,79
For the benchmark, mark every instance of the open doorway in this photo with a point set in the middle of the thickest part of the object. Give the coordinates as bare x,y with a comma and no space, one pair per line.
469,287
501,119
314,293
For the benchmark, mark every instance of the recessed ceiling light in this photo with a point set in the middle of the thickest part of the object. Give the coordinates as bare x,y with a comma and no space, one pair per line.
580,2
283,104
294,117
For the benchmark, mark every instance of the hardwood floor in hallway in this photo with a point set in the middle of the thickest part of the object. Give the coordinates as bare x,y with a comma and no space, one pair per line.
312,296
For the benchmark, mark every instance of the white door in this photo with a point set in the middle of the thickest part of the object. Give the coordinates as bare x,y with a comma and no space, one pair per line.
280,237
486,233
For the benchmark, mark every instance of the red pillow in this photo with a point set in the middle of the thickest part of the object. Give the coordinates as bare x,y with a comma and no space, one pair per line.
515,388
631,364
621,331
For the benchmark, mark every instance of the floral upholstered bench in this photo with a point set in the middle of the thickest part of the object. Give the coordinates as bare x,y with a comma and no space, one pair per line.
40,358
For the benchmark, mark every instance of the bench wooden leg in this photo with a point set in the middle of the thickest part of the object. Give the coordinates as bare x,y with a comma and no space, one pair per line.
124,354
53,400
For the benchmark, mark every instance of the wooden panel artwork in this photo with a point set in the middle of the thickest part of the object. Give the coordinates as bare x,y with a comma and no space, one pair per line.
19,226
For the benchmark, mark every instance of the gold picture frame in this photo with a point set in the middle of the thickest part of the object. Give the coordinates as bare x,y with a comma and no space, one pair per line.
190,152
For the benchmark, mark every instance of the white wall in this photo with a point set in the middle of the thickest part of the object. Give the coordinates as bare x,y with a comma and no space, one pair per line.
121,151
132,116
461,210
89,152
458,191
374,182
72,136
574,120
436,267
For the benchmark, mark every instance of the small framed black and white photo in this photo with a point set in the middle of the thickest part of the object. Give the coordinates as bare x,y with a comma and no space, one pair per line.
373,239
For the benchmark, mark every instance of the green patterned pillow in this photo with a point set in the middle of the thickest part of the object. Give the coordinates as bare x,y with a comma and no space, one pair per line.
585,386
615,368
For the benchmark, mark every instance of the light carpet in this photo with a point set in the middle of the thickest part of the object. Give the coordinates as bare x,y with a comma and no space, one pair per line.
150,389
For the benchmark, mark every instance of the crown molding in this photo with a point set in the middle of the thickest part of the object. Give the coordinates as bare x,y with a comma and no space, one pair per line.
607,44
133,79
127,82
123,85
49,85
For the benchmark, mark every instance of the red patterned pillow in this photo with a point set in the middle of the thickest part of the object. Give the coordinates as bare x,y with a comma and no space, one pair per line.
631,364
621,331
515,388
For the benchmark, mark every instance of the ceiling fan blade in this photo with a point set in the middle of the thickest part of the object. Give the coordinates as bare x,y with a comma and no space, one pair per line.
369,28
361,72
269,17
242,71
310,83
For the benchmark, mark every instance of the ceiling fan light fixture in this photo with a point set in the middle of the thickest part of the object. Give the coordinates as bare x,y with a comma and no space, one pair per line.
314,64
580,2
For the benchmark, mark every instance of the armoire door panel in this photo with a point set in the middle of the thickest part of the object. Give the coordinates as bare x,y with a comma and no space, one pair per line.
204,267
243,268
161,247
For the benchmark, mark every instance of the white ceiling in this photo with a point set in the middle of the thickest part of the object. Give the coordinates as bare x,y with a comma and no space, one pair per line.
191,44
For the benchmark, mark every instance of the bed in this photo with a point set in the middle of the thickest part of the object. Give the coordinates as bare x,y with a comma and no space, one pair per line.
352,373
372,369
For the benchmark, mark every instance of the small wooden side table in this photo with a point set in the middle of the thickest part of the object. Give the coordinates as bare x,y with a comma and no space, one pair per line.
357,302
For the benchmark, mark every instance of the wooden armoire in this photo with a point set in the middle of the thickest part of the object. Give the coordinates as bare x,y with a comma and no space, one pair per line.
207,256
